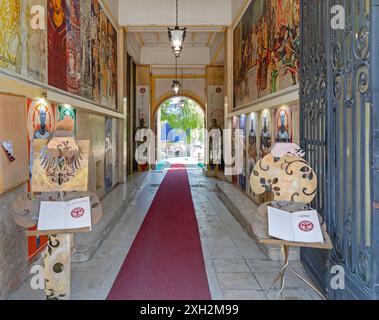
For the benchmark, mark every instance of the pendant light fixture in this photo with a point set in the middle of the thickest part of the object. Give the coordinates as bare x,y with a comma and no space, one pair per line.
177,35
176,84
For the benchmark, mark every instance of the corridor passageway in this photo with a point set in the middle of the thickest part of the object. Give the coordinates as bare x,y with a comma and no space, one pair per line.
189,149
235,268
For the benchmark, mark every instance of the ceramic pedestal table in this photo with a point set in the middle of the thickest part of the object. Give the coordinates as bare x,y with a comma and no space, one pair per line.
260,229
57,261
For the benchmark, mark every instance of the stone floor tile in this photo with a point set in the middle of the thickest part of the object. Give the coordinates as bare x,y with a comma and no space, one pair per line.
238,281
230,265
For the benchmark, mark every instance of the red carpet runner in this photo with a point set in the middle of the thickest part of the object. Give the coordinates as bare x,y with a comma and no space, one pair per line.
166,260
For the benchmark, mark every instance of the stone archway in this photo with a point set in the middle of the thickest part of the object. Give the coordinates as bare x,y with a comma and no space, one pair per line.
183,93
196,144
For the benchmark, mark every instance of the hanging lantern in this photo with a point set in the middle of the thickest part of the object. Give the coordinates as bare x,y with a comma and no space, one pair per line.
176,86
177,36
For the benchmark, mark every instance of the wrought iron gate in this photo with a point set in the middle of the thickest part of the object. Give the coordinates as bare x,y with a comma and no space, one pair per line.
338,87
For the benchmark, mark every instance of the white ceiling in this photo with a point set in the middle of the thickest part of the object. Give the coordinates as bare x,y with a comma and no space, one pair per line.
160,39
146,22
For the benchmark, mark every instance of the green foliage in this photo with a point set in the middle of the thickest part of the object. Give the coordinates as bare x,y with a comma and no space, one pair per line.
190,116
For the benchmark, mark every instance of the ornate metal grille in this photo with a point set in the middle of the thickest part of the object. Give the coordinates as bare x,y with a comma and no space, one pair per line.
336,114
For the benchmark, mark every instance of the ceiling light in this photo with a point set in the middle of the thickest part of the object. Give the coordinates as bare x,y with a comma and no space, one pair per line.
177,35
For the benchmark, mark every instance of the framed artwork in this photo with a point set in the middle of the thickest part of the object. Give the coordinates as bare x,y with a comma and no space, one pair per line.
283,125
252,150
109,159
40,123
266,136
48,174
266,50
67,111
92,127
235,126
115,150
242,176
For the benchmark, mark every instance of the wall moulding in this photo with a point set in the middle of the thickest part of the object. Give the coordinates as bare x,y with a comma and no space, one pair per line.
59,98
284,97
12,84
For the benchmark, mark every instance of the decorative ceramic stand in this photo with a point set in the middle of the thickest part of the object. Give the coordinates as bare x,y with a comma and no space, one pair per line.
260,229
57,261
57,265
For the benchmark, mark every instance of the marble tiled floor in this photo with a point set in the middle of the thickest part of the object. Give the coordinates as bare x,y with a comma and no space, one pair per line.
237,269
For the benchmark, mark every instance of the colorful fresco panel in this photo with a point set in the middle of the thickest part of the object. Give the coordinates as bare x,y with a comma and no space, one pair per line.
266,49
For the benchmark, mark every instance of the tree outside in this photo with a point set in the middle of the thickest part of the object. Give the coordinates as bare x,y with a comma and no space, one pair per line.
184,121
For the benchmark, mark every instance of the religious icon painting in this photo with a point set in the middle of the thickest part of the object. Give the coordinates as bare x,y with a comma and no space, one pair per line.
283,125
242,175
266,136
40,124
40,119
57,53
252,142
65,113
73,47
10,35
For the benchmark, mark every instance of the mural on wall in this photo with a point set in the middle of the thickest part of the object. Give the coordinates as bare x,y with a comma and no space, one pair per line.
242,176
95,46
112,64
266,49
252,142
56,29
73,47
108,154
79,56
36,50
85,29
104,57
107,60
266,136
283,125
10,35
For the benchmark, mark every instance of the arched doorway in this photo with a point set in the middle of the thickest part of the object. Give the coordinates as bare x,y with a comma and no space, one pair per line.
179,126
